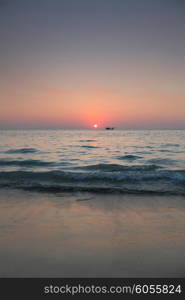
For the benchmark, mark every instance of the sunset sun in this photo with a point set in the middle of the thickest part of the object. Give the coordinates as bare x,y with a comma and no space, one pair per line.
95,125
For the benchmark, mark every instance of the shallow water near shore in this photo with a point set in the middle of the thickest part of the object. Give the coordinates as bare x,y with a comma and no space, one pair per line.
90,235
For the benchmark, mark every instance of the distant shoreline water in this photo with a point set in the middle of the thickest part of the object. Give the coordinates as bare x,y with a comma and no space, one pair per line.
97,161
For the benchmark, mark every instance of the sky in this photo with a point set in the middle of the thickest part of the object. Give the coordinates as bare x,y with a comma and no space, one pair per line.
75,63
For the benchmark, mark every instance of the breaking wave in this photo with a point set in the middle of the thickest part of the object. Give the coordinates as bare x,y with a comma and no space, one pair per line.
138,181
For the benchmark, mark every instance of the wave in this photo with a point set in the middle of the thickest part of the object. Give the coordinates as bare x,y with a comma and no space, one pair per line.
22,150
83,141
162,161
25,163
170,145
129,157
170,151
166,150
84,146
97,190
89,147
119,168
57,175
160,182
144,147
143,152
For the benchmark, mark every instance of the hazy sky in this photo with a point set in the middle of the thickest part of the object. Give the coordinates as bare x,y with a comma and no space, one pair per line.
74,63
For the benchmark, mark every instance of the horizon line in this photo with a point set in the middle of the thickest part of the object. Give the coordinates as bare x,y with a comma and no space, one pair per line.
93,129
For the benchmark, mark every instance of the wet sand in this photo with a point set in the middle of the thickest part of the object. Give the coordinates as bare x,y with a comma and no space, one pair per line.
88,235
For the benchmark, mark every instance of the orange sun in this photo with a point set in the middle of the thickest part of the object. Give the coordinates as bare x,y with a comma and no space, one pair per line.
95,125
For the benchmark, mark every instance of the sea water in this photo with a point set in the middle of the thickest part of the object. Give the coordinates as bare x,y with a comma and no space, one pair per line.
98,161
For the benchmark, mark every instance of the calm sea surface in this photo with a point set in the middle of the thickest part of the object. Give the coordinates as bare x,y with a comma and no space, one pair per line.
99,161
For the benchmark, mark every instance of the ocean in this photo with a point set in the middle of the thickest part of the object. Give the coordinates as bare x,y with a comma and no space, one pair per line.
98,161
92,203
